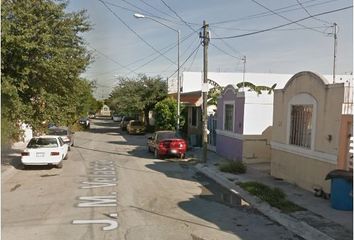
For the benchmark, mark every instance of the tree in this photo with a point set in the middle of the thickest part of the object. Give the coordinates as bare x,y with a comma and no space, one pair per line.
165,114
137,95
42,56
215,92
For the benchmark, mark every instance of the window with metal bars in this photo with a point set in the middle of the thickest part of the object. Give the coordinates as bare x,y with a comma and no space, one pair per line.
229,117
301,125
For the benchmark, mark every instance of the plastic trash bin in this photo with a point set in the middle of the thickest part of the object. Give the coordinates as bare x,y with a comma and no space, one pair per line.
341,189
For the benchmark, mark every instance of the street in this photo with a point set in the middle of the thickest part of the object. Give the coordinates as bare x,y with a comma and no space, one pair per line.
111,187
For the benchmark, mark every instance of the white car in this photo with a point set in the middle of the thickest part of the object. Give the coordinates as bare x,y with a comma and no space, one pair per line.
45,150
116,118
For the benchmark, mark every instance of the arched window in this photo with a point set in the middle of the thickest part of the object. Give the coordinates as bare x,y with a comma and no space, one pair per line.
302,110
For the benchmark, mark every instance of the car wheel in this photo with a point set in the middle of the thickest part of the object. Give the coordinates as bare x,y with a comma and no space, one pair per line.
157,155
60,165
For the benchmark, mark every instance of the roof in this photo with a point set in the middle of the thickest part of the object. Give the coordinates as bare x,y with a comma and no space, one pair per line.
190,98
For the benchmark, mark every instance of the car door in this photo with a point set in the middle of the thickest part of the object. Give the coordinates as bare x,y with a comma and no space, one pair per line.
151,141
63,147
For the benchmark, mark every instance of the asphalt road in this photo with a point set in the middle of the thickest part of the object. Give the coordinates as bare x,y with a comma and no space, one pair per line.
112,188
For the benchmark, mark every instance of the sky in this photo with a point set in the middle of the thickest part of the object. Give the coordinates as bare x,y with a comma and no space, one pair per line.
125,46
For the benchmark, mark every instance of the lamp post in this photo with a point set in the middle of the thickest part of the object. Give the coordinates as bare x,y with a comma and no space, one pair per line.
137,15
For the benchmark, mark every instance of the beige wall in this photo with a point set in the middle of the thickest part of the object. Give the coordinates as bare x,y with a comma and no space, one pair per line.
256,148
329,110
302,171
346,131
307,167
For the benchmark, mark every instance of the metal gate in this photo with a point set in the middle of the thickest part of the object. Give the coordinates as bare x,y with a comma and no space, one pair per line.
212,130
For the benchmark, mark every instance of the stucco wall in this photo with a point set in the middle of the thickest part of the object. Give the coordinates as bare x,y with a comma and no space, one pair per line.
307,167
256,148
329,106
229,144
302,171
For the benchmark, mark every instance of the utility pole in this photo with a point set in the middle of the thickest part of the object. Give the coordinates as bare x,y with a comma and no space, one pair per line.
178,84
244,72
335,51
205,43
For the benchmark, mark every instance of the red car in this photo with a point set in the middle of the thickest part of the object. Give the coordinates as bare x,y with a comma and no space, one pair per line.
167,143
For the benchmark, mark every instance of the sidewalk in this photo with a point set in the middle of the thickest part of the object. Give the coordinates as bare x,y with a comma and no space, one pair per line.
11,158
319,221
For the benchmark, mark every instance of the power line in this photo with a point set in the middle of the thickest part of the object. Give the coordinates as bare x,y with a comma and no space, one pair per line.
142,11
156,9
132,30
109,58
283,25
229,46
186,23
283,17
184,52
288,8
185,60
221,50
308,13
194,57
169,49
253,30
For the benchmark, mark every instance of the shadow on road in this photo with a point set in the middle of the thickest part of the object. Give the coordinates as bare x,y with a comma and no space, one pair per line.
223,201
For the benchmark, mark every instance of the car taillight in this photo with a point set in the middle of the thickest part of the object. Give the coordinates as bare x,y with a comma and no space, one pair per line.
54,154
178,144
25,154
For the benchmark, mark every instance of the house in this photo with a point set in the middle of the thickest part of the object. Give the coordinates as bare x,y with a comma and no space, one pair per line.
258,109
230,123
310,130
105,111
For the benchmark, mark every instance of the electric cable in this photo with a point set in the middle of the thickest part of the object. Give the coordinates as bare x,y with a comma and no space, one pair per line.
283,25
132,30
283,17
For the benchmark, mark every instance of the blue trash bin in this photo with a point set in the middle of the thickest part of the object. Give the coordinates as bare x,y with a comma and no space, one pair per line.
341,189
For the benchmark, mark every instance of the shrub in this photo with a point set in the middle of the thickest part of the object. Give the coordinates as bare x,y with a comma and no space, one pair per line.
274,196
233,167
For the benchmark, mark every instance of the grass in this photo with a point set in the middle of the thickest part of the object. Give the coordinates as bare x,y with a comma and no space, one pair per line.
274,196
233,167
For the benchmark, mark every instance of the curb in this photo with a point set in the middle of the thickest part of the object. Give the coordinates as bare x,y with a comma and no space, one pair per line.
299,228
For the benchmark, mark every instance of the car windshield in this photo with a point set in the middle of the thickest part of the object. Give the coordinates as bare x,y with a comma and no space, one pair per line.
58,132
126,119
136,123
42,143
167,135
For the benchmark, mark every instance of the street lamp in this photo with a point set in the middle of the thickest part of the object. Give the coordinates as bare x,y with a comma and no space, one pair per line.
138,15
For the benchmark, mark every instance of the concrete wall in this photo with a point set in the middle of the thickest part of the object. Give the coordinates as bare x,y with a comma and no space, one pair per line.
303,166
256,148
305,172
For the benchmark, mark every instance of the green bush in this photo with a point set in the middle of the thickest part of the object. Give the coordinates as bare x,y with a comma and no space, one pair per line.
274,196
233,167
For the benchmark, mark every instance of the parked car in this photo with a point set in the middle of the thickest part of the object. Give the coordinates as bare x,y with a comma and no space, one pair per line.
45,150
166,143
136,127
125,121
116,117
65,133
92,115
85,122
